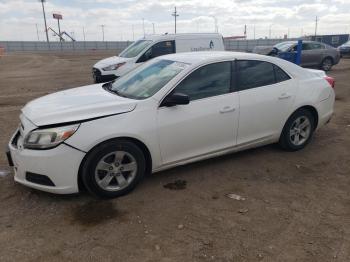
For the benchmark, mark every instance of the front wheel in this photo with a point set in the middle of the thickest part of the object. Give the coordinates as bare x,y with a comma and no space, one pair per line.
298,130
113,169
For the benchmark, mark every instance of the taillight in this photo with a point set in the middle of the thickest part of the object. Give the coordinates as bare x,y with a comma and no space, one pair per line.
330,80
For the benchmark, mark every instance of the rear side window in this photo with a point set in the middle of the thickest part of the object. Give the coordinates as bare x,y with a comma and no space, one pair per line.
280,75
317,46
207,81
251,74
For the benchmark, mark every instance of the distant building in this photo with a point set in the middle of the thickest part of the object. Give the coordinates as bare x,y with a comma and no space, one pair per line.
333,40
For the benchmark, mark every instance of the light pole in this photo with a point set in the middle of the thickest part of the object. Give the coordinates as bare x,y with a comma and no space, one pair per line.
133,32
42,4
175,15
270,31
215,24
84,33
103,32
143,27
37,31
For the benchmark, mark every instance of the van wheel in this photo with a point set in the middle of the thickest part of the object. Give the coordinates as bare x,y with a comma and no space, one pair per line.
113,169
327,64
298,130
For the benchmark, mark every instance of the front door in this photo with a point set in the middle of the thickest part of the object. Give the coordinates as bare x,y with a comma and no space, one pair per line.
208,123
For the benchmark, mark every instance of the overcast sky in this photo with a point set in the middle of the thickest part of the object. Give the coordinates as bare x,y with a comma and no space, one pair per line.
18,18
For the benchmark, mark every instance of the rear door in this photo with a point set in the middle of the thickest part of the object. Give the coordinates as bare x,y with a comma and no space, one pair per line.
266,95
312,54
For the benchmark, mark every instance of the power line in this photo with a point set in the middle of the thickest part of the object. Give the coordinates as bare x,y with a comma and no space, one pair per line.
175,15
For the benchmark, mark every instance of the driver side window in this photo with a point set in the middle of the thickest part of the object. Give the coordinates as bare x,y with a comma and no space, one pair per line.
159,49
207,81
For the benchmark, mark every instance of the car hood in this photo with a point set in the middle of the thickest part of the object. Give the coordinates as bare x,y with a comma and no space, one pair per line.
76,104
111,61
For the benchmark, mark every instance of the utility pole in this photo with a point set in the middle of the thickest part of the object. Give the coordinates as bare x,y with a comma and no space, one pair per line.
37,31
103,32
143,27
245,31
153,28
175,15
84,33
316,23
42,4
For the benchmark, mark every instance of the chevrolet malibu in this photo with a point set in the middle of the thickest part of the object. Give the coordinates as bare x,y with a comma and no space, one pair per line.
171,111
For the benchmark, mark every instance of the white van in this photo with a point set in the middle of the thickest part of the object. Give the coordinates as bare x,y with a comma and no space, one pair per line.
152,46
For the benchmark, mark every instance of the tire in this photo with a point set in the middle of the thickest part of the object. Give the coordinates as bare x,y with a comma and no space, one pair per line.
292,132
326,64
113,169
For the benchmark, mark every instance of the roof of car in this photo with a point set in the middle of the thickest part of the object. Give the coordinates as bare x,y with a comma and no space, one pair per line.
202,56
181,36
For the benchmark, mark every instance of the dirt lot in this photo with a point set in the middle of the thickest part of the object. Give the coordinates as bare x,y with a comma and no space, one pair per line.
296,207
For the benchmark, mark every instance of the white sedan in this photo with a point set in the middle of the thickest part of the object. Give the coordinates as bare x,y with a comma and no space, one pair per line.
172,110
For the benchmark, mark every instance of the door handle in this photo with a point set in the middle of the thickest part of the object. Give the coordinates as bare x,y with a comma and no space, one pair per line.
284,96
227,109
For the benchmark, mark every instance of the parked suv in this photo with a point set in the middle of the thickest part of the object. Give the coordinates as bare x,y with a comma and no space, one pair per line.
153,46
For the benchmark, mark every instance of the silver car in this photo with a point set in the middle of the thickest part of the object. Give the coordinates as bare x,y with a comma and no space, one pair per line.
314,54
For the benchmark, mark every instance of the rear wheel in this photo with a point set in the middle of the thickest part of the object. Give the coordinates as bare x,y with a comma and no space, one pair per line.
298,130
327,64
113,169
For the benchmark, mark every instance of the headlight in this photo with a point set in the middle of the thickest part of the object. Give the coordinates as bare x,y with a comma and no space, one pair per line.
49,138
113,67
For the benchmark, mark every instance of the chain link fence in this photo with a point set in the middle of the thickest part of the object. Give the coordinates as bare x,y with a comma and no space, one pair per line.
118,46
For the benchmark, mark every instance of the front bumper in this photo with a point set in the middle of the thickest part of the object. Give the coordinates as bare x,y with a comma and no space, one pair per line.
59,165
100,78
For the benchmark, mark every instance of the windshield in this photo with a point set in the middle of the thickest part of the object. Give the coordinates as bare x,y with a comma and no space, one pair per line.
347,43
135,48
284,46
141,84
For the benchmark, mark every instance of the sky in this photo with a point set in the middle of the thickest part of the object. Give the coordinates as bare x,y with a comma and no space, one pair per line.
124,19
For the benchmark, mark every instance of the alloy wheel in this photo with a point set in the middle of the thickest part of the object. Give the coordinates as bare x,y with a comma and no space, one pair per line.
300,131
115,171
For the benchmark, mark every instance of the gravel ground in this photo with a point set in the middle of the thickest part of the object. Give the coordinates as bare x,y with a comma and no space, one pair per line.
295,206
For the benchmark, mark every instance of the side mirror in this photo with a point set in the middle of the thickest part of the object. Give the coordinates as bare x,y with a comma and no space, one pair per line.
273,52
175,99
